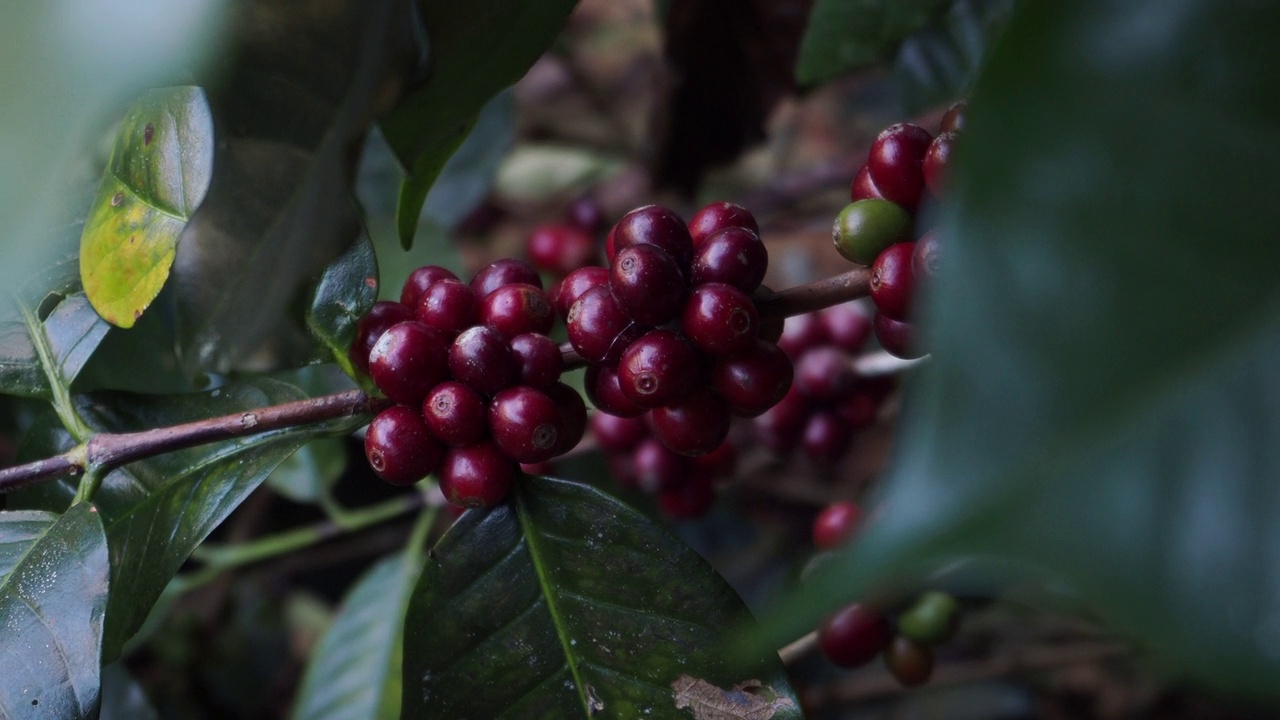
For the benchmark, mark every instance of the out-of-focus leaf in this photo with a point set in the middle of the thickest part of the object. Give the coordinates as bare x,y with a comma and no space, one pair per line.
122,698
52,598
311,471
566,603
846,34
32,351
1102,400
938,63
346,291
537,172
471,171
157,176
354,673
477,49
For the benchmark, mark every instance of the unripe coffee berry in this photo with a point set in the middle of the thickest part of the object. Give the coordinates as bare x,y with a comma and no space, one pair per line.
408,360
658,369
720,319
647,284
893,282
455,414
835,524
896,162
717,216
482,358
932,619
866,227
477,476
695,426
448,305
734,256
399,447
507,271
854,635
421,279
378,320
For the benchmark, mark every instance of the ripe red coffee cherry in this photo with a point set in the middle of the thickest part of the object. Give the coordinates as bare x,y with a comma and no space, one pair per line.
455,414
525,423
826,436
379,319
567,291
539,358
448,305
848,326
689,500
802,332
953,120
617,434
657,468
408,360
896,337
896,162
598,329
854,635
560,249
421,279
720,319
477,476
753,381
859,409
780,426
573,416
717,216
658,369
507,271
584,213
910,662
696,426
647,284
864,187
824,375
924,258
482,358
602,386
399,447
892,282
936,161
517,309
721,462
835,524
734,256
655,225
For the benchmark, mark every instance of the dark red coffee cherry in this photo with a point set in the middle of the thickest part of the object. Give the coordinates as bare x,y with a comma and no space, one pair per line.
455,414
399,447
953,120
610,249
721,462
896,162
824,375
602,387
525,423
517,309
657,468
567,291
695,426
753,381
801,333
379,319
482,358
863,187
859,409
910,662
720,319
655,225
598,329
448,305
779,427
408,360
854,635
717,216
896,337
734,256
507,271
421,279
539,358
573,416
924,258
936,161
585,214
647,284
848,326
892,282
658,369
836,524
826,436
617,434
560,249
689,500
477,476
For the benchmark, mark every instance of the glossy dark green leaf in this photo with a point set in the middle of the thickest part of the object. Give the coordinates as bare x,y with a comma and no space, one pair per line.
52,598
33,350
354,671
939,63
568,604
477,49
1102,400
346,291
290,112
310,472
122,697
157,176
469,174
844,35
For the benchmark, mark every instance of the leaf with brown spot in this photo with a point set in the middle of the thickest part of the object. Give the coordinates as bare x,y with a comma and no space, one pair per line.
750,700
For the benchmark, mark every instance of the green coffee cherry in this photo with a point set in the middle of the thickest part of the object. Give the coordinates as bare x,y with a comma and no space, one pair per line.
864,228
932,619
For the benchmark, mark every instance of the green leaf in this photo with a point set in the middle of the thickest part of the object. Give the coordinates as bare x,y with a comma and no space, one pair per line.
158,174
52,600
567,603
1102,400
844,35
309,473
290,114
32,351
469,174
354,671
346,291
477,49
122,698
938,63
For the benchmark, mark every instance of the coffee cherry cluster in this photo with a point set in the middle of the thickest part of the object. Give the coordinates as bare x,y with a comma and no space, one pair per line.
669,328
829,401
855,634
475,379
905,167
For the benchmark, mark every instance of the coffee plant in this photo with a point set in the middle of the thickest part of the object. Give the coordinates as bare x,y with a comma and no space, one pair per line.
639,359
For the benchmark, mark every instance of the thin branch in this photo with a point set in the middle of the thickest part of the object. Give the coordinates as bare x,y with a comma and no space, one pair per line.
799,648
817,295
